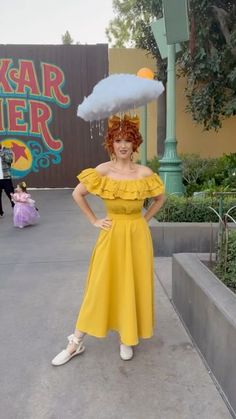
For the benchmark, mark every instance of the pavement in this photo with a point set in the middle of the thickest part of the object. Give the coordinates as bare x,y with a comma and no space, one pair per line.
42,274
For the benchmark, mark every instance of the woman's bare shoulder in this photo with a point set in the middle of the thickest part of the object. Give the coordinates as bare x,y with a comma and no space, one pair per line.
103,168
144,170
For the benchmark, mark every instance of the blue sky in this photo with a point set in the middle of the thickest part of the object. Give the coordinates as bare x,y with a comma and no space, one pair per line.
44,21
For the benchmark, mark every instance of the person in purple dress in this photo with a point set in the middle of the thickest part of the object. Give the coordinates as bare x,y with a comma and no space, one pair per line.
25,213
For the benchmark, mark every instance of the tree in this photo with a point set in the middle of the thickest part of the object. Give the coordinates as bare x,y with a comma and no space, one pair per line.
66,38
120,31
208,60
131,28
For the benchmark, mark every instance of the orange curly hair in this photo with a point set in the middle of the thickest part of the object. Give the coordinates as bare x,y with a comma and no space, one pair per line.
122,128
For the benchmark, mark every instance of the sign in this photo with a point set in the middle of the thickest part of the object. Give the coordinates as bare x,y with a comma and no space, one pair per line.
159,33
26,114
176,21
40,89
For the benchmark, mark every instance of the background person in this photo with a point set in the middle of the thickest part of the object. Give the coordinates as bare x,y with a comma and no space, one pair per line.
6,159
24,213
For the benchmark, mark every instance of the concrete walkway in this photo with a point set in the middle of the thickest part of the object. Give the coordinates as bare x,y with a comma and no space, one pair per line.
42,273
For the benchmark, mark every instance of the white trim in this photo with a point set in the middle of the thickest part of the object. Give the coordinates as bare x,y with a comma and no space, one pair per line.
1,171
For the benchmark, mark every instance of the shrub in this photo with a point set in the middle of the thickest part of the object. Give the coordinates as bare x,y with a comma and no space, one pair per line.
182,209
225,267
204,174
154,164
200,174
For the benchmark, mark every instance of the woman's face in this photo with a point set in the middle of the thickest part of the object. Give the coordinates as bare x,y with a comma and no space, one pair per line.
123,148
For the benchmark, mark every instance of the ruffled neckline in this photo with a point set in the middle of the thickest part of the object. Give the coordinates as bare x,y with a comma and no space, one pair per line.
109,188
121,180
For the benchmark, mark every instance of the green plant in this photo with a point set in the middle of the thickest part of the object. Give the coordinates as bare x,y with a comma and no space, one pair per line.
227,170
195,171
154,164
210,187
207,61
184,209
225,267
209,174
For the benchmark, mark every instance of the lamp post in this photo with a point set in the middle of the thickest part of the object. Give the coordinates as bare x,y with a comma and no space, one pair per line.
143,130
170,165
168,31
146,73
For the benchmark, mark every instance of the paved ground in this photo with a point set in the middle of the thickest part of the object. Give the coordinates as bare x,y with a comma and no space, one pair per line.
42,273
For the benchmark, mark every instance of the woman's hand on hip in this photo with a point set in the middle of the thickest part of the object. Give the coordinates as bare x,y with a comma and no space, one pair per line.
103,223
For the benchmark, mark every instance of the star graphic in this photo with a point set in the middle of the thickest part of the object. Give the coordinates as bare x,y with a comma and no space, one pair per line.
18,151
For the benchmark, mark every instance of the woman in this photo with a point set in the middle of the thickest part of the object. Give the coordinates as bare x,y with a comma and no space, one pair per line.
119,289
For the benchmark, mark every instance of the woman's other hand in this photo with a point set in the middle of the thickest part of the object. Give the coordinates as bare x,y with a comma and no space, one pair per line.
103,223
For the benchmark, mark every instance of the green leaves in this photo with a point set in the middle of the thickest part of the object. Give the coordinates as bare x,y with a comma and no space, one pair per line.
208,60
66,38
225,267
209,64
131,28
119,33
194,209
209,175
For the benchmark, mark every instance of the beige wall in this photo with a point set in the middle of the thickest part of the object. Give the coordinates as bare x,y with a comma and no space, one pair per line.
191,138
130,60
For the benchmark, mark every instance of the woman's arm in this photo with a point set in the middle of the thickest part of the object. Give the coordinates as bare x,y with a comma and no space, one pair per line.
156,205
79,194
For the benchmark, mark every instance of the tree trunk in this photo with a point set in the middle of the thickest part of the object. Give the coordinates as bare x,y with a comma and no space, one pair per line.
223,17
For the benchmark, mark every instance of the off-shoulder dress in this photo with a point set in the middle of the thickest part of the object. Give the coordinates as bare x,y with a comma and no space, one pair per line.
119,288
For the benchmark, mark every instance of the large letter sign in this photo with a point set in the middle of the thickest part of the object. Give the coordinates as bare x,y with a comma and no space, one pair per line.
26,114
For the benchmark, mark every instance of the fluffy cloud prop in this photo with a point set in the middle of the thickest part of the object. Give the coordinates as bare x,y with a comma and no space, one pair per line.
118,93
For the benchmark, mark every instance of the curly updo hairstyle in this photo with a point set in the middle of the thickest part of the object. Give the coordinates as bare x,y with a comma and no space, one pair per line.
122,129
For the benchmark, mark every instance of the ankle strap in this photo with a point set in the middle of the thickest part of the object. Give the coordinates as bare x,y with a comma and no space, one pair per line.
74,339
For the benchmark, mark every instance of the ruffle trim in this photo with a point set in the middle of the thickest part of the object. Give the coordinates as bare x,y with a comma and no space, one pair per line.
109,188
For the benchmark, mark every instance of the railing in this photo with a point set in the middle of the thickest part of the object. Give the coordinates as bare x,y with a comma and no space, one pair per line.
225,225
222,196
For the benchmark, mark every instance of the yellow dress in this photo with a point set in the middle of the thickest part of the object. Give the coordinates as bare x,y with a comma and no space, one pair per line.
119,288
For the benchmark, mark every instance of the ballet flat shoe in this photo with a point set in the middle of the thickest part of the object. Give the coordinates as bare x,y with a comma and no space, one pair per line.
126,352
64,356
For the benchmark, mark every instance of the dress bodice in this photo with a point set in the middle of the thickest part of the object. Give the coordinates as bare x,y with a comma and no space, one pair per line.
112,189
21,197
123,206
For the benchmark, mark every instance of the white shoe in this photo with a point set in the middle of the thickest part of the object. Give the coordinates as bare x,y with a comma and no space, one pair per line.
65,356
126,352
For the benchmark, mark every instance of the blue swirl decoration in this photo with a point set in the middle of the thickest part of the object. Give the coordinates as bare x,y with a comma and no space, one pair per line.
42,158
